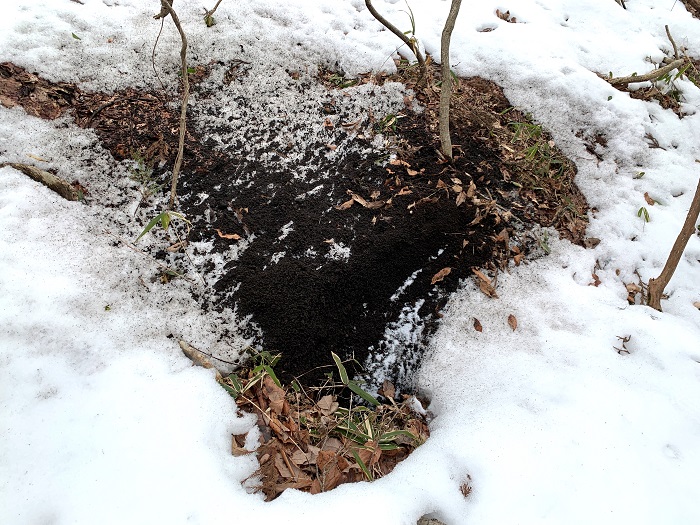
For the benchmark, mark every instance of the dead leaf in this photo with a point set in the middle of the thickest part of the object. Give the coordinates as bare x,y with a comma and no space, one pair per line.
399,162
233,236
457,188
518,258
591,242
649,200
331,147
404,191
477,325
461,198
485,284
327,405
512,322
358,199
696,304
596,280
471,191
328,124
345,205
375,194
411,172
440,275
387,390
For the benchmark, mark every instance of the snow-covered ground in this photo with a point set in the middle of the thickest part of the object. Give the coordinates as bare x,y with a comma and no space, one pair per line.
102,419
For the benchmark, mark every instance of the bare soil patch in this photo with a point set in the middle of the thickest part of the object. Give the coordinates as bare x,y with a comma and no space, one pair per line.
343,256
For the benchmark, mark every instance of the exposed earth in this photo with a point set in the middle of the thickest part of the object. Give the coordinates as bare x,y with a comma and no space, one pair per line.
349,228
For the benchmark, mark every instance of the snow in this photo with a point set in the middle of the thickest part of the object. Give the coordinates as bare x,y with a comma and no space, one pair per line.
103,419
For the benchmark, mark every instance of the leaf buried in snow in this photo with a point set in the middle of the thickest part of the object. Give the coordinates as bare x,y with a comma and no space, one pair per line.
477,325
512,322
440,275
223,235
649,200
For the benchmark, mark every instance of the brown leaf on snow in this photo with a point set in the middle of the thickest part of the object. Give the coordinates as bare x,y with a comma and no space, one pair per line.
440,275
233,236
649,200
477,325
512,322
387,390
596,280
485,284
696,304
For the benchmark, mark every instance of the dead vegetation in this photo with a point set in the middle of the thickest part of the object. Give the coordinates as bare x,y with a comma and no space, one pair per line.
307,441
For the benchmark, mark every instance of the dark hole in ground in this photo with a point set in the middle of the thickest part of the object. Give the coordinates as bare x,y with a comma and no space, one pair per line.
343,259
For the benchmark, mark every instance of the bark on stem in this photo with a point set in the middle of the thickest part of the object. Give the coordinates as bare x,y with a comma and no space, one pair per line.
446,87
656,286
411,43
166,5
652,75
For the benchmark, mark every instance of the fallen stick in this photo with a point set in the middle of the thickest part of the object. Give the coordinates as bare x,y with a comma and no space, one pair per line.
49,180
652,75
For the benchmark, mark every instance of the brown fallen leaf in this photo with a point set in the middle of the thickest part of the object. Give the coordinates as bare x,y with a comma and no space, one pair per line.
327,405
649,200
596,280
696,304
399,162
512,322
485,284
471,191
461,198
411,172
404,191
387,389
233,236
345,205
440,275
477,325
518,258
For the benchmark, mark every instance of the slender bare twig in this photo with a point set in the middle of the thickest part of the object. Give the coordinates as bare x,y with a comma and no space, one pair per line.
673,43
210,13
410,42
652,75
166,5
656,286
446,87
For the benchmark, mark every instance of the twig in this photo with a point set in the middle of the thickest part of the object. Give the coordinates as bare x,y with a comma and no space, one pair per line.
49,180
211,12
411,43
153,55
167,5
673,43
446,87
652,75
656,286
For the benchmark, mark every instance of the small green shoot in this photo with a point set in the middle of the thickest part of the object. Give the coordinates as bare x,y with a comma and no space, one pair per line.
76,36
643,213
351,384
164,218
640,175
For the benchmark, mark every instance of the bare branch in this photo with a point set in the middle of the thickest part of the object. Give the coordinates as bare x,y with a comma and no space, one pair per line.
411,43
167,5
673,43
446,87
656,286
652,75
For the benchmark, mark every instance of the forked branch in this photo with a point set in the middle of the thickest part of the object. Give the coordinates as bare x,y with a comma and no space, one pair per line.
410,42
656,286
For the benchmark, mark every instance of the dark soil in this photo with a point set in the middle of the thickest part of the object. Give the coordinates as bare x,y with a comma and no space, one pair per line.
410,218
